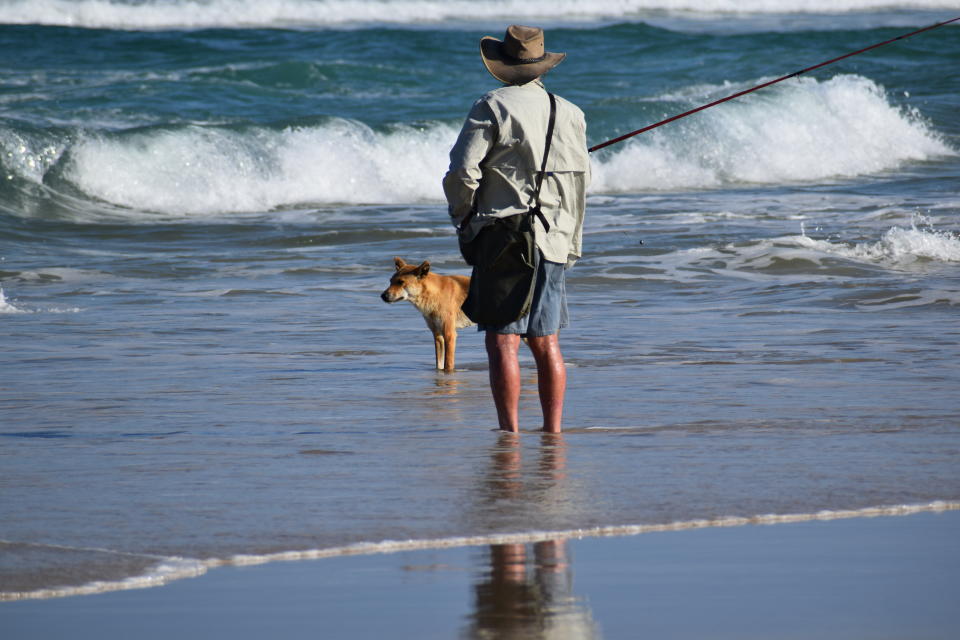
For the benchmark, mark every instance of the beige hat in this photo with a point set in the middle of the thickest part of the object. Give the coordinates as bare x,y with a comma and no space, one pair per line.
520,57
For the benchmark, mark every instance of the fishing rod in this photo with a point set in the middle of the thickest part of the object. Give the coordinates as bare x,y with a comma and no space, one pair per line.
761,86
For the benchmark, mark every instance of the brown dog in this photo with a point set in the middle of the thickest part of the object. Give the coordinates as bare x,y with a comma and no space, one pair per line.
438,298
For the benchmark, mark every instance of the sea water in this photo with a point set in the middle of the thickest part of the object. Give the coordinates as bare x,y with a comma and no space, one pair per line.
201,202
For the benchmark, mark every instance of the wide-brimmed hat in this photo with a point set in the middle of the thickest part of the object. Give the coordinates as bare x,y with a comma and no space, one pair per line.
520,57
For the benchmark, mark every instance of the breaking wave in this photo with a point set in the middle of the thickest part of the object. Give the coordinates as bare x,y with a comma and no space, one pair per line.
189,14
808,131
199,169
7,307
803,130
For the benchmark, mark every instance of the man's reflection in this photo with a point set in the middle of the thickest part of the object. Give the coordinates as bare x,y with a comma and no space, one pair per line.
526,590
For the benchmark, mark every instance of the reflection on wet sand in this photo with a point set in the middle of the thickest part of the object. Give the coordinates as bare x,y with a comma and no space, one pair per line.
442,397
445,385
526,590
507,489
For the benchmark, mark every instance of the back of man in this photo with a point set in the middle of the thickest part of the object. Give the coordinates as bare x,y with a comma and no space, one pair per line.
495,161
494,167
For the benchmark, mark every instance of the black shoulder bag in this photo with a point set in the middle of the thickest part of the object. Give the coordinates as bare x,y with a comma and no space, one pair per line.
504,257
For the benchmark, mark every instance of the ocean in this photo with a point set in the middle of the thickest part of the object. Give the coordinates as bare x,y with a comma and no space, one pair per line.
201,202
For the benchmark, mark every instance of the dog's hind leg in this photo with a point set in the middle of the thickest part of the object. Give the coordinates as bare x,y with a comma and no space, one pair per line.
450,342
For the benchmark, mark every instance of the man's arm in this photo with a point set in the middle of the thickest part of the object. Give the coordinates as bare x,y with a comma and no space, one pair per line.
583,182
476,138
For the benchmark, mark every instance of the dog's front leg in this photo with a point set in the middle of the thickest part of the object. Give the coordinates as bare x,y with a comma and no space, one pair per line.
439,349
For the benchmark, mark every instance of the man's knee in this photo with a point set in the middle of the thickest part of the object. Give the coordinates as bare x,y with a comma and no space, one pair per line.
501,344
545,348
544,343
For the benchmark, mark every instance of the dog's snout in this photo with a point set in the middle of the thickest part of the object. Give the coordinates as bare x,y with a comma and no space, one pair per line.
391,295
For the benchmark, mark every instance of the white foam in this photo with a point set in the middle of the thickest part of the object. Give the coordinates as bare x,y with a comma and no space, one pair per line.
213,170
7,307
909,245
164,572
395,546
897,247
798,131
161,14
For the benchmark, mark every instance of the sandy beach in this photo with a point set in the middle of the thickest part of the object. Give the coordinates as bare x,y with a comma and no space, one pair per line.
882,577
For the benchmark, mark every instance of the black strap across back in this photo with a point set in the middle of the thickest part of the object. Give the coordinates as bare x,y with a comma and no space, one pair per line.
543,166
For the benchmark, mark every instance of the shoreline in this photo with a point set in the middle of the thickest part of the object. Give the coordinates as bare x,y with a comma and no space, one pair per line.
170,570
855,577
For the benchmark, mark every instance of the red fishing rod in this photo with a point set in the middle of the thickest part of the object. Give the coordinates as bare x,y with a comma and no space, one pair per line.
765,84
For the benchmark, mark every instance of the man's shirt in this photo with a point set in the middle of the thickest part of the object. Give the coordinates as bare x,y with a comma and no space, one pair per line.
495,161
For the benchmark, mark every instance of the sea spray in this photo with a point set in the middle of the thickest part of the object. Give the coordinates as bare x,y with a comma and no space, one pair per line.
28,153
899,246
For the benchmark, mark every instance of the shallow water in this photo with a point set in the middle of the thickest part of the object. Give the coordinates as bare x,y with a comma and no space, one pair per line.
196,227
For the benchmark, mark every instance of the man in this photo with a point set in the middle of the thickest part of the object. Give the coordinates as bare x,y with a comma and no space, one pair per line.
493,170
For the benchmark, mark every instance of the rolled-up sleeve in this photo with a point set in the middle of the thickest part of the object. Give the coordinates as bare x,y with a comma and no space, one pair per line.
476,138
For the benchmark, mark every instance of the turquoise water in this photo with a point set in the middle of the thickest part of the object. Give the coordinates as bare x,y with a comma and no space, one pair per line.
201,203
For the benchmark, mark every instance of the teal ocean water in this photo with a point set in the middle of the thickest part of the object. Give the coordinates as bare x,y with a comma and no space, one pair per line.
200,203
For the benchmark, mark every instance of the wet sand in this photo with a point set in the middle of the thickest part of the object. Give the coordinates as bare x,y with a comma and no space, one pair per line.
882,577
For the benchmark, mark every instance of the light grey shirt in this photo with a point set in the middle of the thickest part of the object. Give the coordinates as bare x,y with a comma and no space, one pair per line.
496,158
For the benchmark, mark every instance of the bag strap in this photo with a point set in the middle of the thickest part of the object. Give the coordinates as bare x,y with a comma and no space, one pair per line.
543,170
543,166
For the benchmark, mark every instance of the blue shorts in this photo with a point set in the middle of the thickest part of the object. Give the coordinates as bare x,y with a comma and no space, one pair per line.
548,310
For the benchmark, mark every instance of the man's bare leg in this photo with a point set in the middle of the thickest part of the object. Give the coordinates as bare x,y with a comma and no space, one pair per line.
505,378
551,379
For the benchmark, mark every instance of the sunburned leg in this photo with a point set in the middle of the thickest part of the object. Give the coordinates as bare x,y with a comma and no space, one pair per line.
551,379
505,378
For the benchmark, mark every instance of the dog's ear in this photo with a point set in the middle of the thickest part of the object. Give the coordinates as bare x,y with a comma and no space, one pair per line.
399,263
423,269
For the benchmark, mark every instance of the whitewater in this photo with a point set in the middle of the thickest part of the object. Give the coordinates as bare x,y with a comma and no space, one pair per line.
807,131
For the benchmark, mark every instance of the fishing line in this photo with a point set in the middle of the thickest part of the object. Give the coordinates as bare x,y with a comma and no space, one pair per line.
765,84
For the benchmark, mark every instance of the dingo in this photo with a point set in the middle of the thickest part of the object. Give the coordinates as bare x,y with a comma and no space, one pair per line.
438,298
